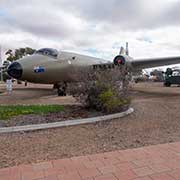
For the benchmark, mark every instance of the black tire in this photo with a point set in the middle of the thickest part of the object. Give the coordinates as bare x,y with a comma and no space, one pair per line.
136,81
167,84
60,92
55,86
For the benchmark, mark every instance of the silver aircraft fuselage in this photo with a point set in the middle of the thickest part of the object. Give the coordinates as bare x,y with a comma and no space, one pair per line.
54,70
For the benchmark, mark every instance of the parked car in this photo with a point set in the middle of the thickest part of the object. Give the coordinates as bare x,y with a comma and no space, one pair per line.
172,77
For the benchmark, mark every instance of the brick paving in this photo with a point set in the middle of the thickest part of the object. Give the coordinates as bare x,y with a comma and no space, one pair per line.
159,162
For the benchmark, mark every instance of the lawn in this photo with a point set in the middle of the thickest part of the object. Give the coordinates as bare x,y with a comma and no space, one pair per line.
7,112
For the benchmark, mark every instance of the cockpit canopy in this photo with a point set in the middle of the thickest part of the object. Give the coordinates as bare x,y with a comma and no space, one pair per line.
48,52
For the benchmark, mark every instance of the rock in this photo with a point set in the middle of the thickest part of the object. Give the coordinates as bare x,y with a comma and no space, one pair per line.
137,141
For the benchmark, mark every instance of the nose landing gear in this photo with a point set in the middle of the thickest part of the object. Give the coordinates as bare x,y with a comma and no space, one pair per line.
61,88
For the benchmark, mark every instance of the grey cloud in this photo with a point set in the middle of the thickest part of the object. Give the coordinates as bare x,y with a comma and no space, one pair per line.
38,19
39,23
45,19
171,16
126,14
42,17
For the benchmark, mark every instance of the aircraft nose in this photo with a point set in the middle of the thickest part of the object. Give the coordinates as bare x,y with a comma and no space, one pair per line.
15,70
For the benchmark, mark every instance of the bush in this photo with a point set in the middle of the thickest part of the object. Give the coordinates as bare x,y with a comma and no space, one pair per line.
102,89
111,102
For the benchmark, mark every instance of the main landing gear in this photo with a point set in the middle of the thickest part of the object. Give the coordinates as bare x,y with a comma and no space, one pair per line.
61,88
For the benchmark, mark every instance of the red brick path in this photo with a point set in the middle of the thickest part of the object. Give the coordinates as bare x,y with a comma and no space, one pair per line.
160,162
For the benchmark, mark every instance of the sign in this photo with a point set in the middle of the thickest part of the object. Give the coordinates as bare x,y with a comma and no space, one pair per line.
9,85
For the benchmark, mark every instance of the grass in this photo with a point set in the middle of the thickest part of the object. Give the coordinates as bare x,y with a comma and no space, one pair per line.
7,112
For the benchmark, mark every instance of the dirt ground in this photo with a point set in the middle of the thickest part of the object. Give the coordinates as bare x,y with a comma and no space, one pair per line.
33,94
156,120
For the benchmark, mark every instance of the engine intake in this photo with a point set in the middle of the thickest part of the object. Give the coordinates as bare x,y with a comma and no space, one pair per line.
119,60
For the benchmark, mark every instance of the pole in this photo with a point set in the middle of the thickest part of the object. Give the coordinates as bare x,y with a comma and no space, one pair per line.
1,63
127,49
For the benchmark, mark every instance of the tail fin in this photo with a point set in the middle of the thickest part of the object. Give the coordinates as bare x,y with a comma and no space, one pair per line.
127,49
124,51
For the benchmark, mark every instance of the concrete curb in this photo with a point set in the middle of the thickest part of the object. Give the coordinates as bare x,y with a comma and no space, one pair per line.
65,123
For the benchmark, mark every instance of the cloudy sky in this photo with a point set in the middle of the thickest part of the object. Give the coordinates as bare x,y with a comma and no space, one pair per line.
93,27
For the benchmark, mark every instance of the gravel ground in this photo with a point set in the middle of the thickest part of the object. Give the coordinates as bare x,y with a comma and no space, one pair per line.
156,120
33,94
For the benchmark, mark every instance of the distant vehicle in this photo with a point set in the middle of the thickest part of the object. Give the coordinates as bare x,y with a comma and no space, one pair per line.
172,77
141,78
157,75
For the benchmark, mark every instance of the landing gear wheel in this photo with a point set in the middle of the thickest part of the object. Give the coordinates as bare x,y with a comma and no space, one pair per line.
167,84
61,88
61,92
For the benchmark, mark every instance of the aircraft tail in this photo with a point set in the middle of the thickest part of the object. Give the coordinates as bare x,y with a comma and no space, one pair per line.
124,51
127,49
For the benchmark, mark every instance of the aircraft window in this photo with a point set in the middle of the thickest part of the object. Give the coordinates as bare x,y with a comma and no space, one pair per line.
48,52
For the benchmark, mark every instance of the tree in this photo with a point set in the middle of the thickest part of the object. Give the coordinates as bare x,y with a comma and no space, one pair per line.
10,55
19,53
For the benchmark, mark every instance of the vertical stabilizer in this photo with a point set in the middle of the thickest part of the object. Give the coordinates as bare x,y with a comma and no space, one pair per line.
127,49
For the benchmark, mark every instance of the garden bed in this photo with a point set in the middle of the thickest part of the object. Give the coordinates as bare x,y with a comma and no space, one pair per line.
27,115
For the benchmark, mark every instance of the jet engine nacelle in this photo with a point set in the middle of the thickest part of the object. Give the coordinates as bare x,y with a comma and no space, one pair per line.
120,60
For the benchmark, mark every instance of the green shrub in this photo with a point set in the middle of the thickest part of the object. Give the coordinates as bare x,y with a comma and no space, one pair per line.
103,90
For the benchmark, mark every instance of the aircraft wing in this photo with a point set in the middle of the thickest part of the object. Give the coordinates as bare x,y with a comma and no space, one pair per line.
154,62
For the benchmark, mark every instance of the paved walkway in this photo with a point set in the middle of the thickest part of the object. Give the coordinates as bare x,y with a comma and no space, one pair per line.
160,162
